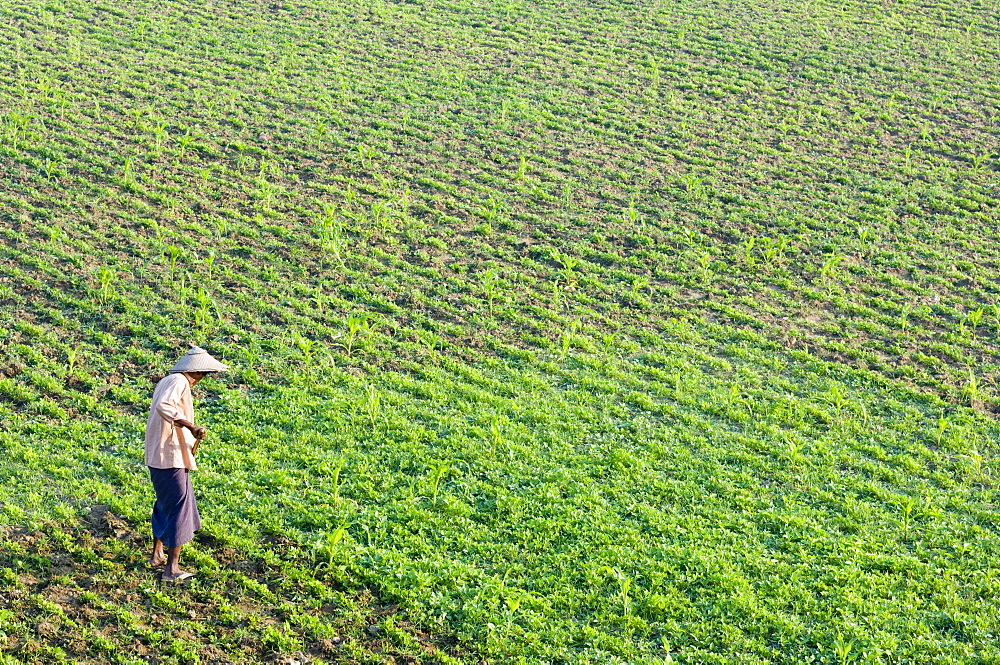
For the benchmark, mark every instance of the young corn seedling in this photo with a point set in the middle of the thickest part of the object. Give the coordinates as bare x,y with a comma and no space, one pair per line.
136,115
973,318
159,133
694,187
976,465
568,263
567,337
202,311
907,508
366,154
653,65
183,291
904,317
221,228
639,283
185,141
522,168
62,103
491,210
844,649
337,244
357,324
438,470
106,278
266,190
608,342
979,160
429,340
513,605
489,280
624,587
128,171
210,261
350,194
320,297
326,225
73,356
320,133
335,475
504,109
705,263
496,434
244,162
631,214
748,256
18,127
173,253
329,231
830,267
379,212
866,236
373,404
771,251
403,200
940,427
557,293
793,450
972,391
665,645
51,170
327,546
305,346
836,397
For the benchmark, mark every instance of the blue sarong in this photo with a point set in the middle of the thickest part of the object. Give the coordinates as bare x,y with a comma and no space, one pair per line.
175,513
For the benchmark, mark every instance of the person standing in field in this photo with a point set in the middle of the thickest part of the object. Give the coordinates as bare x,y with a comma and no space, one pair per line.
172,440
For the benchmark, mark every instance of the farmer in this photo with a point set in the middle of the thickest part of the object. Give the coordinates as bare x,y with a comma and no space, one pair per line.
172,439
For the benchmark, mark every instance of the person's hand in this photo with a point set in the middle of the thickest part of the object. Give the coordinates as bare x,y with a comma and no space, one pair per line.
199,432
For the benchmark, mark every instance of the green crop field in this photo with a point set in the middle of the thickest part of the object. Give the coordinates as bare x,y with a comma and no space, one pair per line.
562,331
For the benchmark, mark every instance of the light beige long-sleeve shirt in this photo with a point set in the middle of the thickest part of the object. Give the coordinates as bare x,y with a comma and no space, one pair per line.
167,446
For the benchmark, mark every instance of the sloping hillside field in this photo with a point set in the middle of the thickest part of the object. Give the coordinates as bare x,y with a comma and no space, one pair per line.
562,331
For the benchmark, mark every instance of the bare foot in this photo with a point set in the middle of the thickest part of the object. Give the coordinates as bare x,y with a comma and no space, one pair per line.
179,576
156,560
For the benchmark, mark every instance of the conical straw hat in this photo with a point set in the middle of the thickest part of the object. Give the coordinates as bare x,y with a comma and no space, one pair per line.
198,360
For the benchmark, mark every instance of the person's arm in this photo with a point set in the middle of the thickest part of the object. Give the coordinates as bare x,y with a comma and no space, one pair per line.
197,430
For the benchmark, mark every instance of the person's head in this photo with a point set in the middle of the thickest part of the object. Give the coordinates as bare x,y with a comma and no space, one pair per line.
195,377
